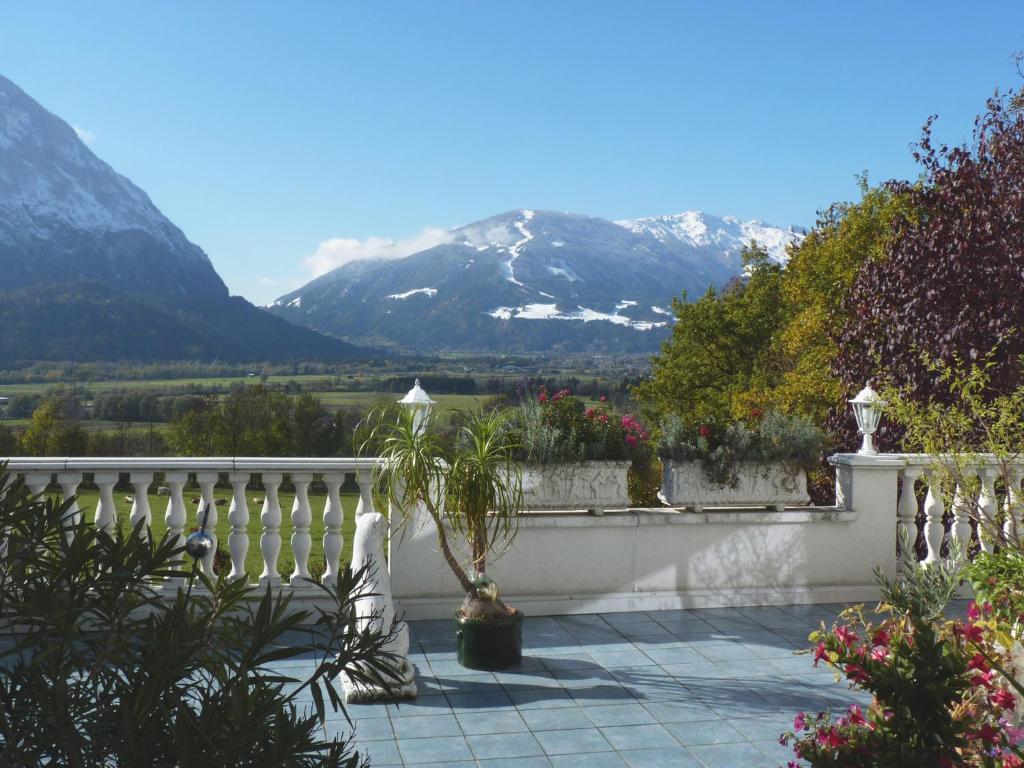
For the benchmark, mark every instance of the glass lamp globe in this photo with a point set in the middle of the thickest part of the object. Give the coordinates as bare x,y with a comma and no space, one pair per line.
867,409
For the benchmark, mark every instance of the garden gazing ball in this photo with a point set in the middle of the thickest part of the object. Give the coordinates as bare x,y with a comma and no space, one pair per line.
199,545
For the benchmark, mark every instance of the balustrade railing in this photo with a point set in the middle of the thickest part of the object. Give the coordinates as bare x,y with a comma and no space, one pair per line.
175,474
68,474
974,501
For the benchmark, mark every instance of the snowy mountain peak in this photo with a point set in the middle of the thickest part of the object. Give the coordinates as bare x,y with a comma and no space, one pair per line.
724,233
78,218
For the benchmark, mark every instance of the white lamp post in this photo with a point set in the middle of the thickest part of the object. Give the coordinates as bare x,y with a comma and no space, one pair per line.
867,409
419,402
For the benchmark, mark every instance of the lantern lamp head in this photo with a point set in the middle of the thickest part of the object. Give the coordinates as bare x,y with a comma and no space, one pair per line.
419,402
867,409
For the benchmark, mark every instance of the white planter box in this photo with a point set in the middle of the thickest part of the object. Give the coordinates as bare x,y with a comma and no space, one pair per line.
591,485
684,484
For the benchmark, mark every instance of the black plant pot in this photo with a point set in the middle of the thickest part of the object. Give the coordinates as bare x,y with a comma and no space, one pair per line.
490,643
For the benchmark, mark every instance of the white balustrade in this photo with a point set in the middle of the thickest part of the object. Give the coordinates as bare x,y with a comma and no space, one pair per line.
238,516
302,519
1014,515
206,517
69,482
963,508
334,516
934,509
106,511
140,502
988,531
270,517
906,509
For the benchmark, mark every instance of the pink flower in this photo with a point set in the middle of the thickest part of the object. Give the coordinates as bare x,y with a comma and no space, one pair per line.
857,673
881,637
542,396
603,418
830,738
978,662
799,721
704,430
631,440
982,679
820,654
603,399
589,413
1010,760
856,715
845,635
879,653
973,614
1002,699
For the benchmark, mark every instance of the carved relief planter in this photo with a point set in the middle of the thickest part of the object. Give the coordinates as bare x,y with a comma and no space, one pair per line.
684,484
591,485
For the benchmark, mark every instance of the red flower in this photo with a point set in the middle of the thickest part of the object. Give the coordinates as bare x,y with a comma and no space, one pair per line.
856,715
881,637
589,413
1002,699
989,734
973,614
831,738
969,632
978,662
704,430
845,635
1012,761
756,413
820,654
982,679
542,397
857,673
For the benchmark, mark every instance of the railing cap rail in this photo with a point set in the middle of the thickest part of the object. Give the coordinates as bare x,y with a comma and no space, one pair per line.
189,464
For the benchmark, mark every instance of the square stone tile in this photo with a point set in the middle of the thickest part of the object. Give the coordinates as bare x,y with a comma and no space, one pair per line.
659,757
624,737
425,726
441,749
573,741
632,713
704,732
732,755
494,745
380,752
593,760
501,721
555,719
516,762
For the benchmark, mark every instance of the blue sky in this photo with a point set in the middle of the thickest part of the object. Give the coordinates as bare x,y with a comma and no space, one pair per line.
265,129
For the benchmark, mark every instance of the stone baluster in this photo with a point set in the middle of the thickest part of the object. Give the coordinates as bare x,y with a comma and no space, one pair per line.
963,506
238,516
176,515
906,510
37,482
69,482
270,518
934,509
988,532
375,608
106,512
206,514
334,516
1013,517
302,519
140,503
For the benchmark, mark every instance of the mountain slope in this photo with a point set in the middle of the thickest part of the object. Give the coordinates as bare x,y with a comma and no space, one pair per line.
123,269
529,281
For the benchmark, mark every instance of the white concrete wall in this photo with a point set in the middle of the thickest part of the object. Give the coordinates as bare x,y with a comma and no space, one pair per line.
654,559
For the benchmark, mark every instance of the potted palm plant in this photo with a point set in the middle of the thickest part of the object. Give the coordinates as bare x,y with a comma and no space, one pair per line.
470,486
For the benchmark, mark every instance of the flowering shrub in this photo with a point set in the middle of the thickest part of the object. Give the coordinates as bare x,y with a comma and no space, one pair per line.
939,698
558,428
765,438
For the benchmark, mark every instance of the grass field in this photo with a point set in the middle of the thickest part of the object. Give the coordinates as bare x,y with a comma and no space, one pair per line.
254,563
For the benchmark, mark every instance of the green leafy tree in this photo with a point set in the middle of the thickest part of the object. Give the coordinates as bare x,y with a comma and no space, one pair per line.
715,345
52,431
99,669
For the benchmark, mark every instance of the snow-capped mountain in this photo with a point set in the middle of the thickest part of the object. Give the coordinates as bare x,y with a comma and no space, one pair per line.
531,280
92,269
725,234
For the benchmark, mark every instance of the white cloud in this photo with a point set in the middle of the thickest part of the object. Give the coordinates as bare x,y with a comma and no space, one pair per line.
87,136
337,251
